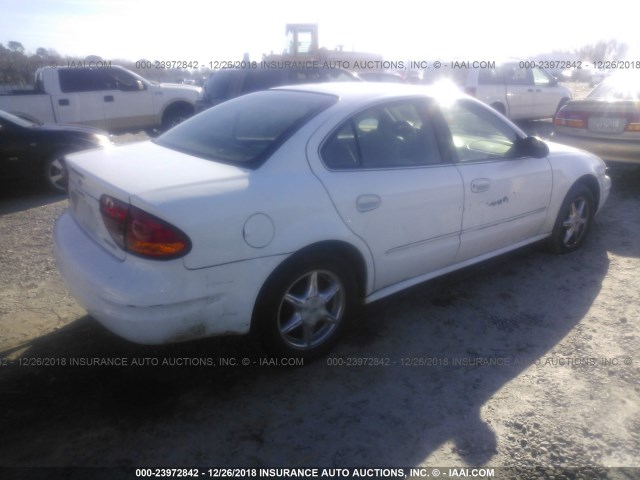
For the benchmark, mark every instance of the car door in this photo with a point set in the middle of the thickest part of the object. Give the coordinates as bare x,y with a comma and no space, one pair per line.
81,101
548,95
506,195
385,175
521,95
128,100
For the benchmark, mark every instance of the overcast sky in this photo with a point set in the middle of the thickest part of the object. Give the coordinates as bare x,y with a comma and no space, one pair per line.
399,30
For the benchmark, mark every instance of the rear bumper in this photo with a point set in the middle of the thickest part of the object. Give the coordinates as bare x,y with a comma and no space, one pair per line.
608,150
153,302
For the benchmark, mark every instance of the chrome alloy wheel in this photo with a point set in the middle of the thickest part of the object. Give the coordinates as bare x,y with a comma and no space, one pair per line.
311,309
575,226
55,174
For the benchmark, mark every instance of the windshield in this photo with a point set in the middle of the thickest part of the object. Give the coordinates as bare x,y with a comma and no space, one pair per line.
624,87
17,120
247,129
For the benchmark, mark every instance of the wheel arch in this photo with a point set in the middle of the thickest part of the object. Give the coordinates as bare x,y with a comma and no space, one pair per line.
336,248
591,183
177,106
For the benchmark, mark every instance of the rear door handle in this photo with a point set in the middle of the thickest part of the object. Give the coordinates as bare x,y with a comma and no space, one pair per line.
63,102
368,202
480,185
108,98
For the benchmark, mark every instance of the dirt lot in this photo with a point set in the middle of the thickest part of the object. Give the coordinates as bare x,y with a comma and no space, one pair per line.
530,361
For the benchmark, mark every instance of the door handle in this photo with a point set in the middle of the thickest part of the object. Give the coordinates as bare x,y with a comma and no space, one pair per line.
480,185
63,102
108,98
368,202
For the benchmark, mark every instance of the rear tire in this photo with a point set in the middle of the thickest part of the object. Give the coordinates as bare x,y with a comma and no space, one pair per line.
574,220
304,307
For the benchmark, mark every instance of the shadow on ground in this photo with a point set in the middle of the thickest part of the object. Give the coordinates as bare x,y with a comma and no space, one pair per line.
420,386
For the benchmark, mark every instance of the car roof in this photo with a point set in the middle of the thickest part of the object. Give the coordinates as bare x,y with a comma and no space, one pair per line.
361,91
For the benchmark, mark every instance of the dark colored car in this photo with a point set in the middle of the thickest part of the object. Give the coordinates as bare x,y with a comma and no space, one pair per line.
28,149
232,82
606,122
388,77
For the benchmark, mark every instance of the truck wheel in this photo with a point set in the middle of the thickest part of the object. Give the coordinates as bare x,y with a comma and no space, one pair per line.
55,174
176,115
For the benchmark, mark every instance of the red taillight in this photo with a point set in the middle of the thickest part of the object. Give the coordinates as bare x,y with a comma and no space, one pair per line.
566,118
140,233
633,121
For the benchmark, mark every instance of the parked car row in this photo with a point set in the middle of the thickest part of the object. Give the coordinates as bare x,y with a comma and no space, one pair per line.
113,99
605,123
229,83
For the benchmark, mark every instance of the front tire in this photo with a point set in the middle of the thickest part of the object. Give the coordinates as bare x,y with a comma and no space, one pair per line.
304,307
574,220
175,115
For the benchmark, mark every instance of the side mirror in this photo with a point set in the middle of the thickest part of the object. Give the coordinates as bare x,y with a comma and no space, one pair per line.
532,147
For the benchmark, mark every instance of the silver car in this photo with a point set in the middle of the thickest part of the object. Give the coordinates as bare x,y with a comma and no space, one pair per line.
606,122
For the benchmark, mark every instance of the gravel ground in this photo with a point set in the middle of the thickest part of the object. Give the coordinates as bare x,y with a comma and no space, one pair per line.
529,361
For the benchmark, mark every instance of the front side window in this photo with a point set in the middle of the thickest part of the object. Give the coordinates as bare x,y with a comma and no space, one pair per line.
477,133
244,131
541,78
517,76
386,136
121,80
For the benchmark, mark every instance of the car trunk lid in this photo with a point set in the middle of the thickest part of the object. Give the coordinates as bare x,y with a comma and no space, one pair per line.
145,175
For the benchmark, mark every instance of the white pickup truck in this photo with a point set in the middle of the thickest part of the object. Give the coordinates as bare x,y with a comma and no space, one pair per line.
113,99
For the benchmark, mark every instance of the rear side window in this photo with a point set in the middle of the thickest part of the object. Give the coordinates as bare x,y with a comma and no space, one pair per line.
245,131
80,80
490,76
395,135
75,80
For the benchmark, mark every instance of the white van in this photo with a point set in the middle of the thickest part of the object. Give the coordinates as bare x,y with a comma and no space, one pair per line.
518,93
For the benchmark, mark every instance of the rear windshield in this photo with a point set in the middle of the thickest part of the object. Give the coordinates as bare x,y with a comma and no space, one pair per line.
617,88
246,130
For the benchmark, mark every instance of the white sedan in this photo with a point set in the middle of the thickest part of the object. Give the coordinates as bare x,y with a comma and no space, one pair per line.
279,212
